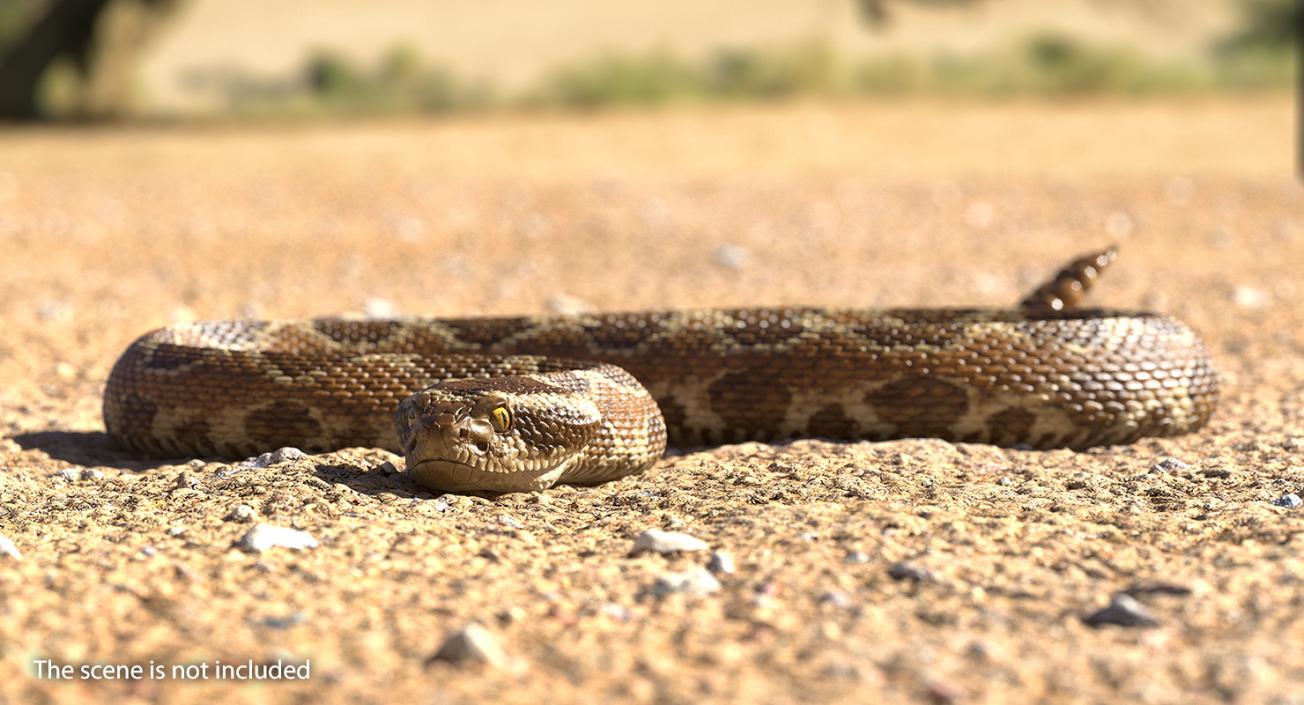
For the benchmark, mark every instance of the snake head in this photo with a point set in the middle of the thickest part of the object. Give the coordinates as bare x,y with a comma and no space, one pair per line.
509,434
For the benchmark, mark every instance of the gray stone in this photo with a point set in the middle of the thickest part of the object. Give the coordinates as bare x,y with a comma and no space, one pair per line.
904,570
731,257
1123,611
856,557
473,644
261,537
276,457
658,541
837,599
1289,501
1169,464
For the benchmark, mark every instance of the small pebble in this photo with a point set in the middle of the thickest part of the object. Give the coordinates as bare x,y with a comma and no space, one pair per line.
694,582
284,622
836,599
68,474
196,464
92,474
721,563
730,257
614,611
8,549
510,615
1289,501
242,513
1123,611
1169,464
856,557
905,570
376,307
264,536
1250,297
510,521
472,644
276,457
658,541
567,305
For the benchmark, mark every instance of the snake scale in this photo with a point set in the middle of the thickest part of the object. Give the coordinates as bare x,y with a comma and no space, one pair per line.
520,403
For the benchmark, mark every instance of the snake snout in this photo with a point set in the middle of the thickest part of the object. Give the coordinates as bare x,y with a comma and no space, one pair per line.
472,434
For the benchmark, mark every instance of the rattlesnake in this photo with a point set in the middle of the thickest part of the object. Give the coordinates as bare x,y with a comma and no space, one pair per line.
521,403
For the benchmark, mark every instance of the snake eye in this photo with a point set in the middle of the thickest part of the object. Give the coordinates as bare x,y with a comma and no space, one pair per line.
502,418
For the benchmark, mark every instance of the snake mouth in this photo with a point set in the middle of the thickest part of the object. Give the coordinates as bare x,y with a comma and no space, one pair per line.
445,475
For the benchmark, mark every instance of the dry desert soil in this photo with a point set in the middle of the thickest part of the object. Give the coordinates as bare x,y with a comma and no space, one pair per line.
912,571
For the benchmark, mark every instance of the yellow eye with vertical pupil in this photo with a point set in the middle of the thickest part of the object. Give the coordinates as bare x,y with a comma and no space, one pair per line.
502,418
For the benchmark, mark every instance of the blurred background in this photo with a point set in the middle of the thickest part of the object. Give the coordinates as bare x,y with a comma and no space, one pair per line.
62,59
163,161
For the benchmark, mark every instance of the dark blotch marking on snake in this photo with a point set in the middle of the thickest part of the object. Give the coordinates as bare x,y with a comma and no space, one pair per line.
487,332
138,421
744,404
283,423
1010,426
177,358
831,422
919,406
194,433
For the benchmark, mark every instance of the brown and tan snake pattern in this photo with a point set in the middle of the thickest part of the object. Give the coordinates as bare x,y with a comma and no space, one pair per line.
521,403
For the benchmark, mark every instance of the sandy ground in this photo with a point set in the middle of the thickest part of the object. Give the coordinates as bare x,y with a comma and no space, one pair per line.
120,560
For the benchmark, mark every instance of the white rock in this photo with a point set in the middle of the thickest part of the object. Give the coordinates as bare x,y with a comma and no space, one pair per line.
473,644
697,582
8,549
261,537
1250,297
658,541
241,513
722,563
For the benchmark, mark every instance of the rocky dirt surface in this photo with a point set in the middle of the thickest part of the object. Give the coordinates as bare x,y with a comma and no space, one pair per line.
908,571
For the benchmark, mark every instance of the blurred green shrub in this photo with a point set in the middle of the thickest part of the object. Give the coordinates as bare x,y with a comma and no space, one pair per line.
1047,64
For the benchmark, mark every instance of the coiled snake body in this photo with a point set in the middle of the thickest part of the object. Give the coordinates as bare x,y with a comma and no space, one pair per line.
504,404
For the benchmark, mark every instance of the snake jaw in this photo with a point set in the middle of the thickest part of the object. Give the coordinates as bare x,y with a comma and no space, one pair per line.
453,476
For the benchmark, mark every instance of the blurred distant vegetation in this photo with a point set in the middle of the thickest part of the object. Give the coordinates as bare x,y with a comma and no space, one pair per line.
1051,65
88,81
